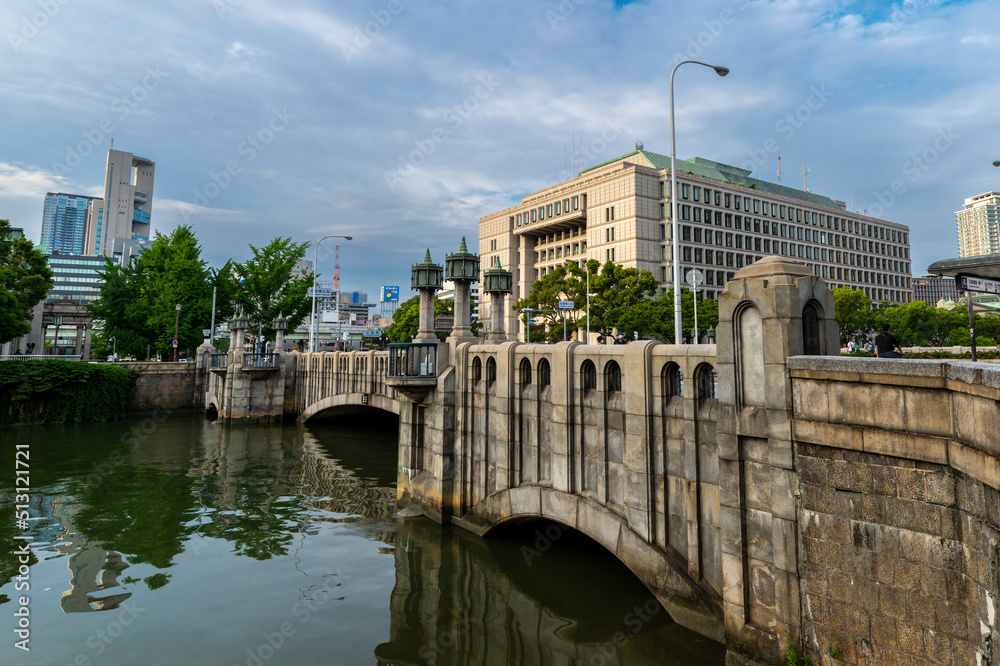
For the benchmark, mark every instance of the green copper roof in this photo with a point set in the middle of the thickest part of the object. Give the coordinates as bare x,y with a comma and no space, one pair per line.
699,166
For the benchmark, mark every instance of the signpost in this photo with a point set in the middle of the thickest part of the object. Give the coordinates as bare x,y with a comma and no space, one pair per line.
372,333
694,278
566,305
319,292
971,284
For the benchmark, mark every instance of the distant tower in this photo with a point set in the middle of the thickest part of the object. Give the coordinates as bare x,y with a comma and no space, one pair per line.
124,212
64,222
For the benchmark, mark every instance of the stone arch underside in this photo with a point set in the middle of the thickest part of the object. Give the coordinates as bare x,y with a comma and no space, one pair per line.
663,572
351,400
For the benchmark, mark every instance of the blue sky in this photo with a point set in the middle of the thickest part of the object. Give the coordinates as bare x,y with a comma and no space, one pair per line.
401,122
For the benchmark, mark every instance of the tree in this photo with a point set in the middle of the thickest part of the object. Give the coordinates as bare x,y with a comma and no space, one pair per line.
266,287
853,311
406,319
25,279
654,318
138,302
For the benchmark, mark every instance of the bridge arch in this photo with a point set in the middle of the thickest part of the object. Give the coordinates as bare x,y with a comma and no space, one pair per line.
374,400
661,570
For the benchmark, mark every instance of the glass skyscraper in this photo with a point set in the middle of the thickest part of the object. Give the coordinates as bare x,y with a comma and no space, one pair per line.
64,222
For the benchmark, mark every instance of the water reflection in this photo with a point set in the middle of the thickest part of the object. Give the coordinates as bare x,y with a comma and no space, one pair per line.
115,500
220,534
459,599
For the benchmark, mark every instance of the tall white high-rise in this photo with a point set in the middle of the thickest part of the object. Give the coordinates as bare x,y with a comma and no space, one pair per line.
124,211
979,225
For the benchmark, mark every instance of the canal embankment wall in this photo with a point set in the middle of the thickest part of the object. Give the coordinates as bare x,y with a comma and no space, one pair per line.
899,511
169,386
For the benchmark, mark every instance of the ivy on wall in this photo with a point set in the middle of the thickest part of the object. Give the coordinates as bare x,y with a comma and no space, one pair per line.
52,391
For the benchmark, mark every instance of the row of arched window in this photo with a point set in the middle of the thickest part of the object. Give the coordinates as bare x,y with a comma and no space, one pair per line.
705,376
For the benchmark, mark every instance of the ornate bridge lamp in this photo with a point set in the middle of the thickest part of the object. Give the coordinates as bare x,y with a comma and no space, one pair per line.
237,330
462,268
426,278
497,283
279,325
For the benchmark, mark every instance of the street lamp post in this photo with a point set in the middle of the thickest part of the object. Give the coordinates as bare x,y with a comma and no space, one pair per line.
177,323
721,71
114,349
312,317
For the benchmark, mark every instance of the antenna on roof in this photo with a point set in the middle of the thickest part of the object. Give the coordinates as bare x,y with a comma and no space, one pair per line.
564,162
573,141
805,172
779,169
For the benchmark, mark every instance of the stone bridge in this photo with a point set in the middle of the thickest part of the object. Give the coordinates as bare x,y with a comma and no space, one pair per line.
764,489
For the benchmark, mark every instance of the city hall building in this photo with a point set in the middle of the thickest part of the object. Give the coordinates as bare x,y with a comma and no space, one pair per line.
620,211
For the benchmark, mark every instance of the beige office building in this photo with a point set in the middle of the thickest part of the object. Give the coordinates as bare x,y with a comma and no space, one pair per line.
979,225
620,211
124,212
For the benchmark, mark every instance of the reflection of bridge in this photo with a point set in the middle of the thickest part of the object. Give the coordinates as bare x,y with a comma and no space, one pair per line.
758,497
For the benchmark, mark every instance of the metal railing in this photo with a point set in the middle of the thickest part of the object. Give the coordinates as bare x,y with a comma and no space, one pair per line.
41,357
218,361
258,360
415,359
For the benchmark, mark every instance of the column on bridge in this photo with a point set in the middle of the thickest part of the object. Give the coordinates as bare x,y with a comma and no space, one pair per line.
462,268
766,314
497,283
426,278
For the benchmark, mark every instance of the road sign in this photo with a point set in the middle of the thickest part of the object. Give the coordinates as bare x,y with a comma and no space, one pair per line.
390,294
372,333
175,343
695,278
206,332
980,285
566,305
319,292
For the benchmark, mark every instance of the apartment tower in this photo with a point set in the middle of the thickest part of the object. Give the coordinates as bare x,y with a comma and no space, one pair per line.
979,225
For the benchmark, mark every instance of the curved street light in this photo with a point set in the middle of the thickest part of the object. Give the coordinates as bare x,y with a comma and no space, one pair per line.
721,71
313,333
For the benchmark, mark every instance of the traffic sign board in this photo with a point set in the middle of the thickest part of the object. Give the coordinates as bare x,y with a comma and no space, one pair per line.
566,305
372,333
206,332
175,343
980,285
319,292
694,277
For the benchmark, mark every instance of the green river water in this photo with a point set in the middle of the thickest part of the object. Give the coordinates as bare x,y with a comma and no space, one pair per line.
176,540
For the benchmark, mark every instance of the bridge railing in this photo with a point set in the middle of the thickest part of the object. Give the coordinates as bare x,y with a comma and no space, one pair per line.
415,359
41,357
259,360
218,361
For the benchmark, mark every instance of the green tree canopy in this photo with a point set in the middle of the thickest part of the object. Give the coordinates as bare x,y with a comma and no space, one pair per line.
853,311
406,319
25,279
266,286
138,302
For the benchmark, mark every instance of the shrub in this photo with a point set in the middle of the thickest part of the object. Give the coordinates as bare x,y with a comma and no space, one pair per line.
50,391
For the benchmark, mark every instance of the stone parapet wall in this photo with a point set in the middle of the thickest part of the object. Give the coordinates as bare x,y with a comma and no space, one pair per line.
173,386
900,508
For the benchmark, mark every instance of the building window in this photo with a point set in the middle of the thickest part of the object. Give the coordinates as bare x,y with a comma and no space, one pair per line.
558,208
697,255
663,211
697,192
685,191
576,203
697,234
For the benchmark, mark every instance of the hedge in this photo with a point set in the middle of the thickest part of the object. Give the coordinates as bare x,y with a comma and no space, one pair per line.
55,391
